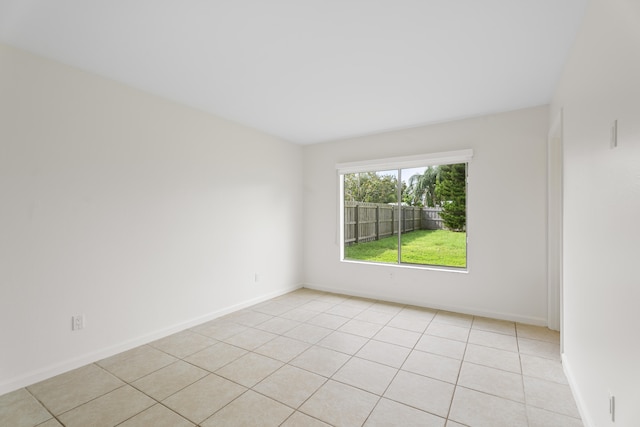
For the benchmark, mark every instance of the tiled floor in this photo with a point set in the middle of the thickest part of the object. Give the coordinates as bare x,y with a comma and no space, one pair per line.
315,359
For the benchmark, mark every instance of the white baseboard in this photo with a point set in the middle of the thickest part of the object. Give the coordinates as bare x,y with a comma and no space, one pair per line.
538,321
577,396
59,368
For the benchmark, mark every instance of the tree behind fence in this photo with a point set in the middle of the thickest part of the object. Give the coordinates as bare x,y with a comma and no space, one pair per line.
364,222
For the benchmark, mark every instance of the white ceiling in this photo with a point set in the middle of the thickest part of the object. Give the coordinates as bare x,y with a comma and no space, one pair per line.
313,70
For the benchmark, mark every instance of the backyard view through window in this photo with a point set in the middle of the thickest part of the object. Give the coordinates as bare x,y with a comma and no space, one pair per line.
407,216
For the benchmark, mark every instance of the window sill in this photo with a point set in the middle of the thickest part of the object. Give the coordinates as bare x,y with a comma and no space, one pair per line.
464,270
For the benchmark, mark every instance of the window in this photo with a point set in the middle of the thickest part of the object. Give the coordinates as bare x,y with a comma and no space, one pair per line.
407,211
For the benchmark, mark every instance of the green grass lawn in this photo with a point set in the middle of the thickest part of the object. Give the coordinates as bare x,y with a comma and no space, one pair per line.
432,247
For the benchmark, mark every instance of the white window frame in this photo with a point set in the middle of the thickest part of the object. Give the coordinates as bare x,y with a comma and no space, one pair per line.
398,163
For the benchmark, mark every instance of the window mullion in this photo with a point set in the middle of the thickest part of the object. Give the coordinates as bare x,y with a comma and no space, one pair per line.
399,200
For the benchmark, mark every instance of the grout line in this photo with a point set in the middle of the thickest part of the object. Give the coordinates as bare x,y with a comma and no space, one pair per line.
43,406
298,299
455,386
524,393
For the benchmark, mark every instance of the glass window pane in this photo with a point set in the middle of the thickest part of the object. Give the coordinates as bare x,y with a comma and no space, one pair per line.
433,224
370,220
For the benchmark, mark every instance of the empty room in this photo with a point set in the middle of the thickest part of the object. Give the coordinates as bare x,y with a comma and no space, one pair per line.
319,213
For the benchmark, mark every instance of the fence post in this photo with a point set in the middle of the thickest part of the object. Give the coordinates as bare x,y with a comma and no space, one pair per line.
357,227
377,222
393,222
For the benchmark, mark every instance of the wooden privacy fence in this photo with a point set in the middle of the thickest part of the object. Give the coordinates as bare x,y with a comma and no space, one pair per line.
364,222
431,219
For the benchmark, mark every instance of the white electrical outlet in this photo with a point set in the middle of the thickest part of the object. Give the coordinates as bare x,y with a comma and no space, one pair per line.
256,278
77,322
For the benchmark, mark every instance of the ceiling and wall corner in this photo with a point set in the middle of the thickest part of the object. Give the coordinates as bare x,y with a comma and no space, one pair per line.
316,70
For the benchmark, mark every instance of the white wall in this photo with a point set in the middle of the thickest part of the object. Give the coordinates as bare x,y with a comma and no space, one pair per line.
142,214
602,212
506,218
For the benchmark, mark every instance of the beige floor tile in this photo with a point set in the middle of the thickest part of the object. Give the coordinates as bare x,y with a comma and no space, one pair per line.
551,396
307,292
444,330
345,311
233,315
409,323
329,321
278,325
216,356
250,318
493,357
298,419
385,353
108,410
320,360
64,392
397,336
271,307
299,314
453,424
389,413
492,381
139,364
282,348
183,343
316,305
343,342
358,302
361,328
308,333
250,339
442,346
50,423
539,348
333,298
456,319
201,399
387,307
478,409
290,385
433,366
539,333
418,312
494,325
157,416
365,374
541,418
249,369
121,357
340,405
250,409
168,380
375,316
291,299
546,369
218,329
424,393
494,340
20,409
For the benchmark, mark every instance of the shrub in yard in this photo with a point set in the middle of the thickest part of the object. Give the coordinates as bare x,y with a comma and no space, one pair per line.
452,190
